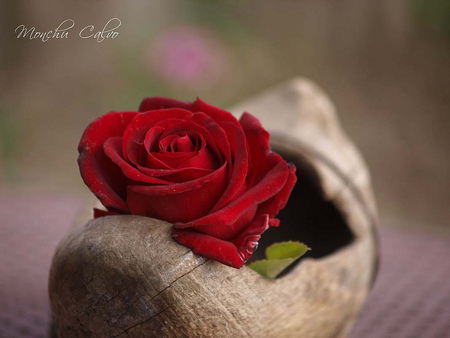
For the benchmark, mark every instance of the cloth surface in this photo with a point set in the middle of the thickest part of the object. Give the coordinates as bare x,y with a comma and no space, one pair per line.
30,229
411,294
410,298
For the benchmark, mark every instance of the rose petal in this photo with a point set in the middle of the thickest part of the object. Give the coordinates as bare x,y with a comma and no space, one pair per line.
175,126
172,161
102,213
236,184
262,159
217,114
217,133
184,144
152,162
274,222
230,231
176,175
138,157
247,241
137,129
254,130
99,173
202,158
182,202
157,102
167,160
167,144
113,149
269,186
233,254
139,154
279,201
210,247
152,137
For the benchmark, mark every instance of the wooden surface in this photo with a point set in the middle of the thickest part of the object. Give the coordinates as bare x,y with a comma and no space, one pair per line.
125,276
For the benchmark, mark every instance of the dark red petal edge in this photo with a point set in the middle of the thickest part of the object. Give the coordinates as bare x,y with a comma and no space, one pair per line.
239,170
262,159
279,201
217,114
157,102
269,186
234,253
102,213
99,173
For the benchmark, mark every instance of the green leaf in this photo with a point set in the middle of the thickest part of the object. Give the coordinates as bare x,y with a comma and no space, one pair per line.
286,250
279,257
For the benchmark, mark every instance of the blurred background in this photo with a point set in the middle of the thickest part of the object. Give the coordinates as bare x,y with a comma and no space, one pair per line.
385,64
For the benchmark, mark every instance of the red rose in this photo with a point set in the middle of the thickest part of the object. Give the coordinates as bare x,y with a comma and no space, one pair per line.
193,165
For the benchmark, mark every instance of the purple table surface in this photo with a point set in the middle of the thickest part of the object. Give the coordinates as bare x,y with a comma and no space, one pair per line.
410,298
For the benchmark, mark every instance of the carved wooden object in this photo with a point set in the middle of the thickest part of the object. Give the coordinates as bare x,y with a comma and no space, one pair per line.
124,276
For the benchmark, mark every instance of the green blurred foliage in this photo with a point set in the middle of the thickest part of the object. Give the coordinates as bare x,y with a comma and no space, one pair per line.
434,13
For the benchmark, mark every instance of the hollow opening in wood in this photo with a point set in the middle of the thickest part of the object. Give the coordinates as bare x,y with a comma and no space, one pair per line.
308,217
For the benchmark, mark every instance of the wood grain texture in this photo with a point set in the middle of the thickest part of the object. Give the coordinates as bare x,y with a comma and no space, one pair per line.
124,276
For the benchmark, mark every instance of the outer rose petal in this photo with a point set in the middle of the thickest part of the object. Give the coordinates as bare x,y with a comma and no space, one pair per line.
99,173
238,173
157,102
234,253
209,247
217,114
228,232
247,241
279,201
181,175
182,202
262,159
102,213
270,185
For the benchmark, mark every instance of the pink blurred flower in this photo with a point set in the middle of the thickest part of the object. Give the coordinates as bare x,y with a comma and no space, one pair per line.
189,56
